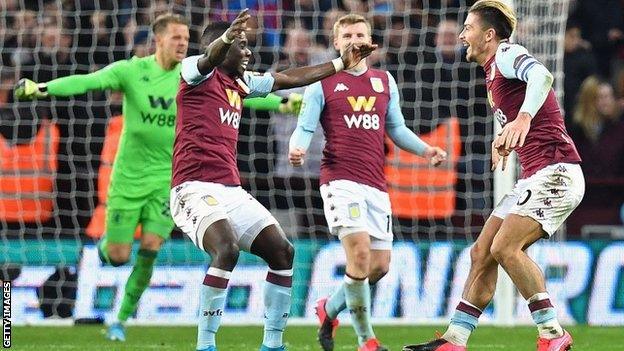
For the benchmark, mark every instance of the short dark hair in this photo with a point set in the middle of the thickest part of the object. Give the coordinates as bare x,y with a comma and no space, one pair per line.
213,31
161,22
497,15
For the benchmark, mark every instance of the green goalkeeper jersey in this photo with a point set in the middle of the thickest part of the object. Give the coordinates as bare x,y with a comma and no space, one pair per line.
143,162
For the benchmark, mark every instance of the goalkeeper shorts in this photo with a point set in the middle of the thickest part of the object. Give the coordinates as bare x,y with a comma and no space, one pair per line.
352,207
196,205
123,215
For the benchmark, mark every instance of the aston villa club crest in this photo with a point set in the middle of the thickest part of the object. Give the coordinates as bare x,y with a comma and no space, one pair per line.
354,210
210,200
377,84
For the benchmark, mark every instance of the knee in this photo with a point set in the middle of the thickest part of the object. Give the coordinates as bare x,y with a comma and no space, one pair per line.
118,257
288,254
500,252
283,257
226,256
479,255
361,257
151,242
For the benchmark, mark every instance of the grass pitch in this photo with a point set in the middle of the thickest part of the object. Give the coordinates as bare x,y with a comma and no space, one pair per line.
297,338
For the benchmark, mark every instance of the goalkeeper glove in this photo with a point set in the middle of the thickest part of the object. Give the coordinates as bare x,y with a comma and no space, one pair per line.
292,105
26,89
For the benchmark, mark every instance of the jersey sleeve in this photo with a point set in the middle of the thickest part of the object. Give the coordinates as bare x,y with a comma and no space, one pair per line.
313,104
190,73
111,77
259,84
514,61
394,115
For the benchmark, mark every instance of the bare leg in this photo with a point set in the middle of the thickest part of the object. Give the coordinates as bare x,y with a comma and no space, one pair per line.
479,287
481,282
517,233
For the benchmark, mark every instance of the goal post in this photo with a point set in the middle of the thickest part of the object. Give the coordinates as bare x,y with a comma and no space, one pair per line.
541,29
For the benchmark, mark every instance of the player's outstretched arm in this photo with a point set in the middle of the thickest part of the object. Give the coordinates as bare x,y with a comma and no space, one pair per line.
301,76
110,77
273,102
216,51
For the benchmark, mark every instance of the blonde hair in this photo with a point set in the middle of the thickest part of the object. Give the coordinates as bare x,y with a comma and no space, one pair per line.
161,22
496,14
350,19
586,114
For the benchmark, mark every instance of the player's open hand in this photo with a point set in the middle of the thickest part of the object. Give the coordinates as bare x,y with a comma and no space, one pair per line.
514,133
498,153
356,53
295,157
435,155
238,26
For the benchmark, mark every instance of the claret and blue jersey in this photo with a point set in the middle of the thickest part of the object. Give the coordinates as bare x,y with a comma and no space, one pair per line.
209,110
355,111
506,77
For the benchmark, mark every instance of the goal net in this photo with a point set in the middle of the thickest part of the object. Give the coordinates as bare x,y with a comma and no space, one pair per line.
57,155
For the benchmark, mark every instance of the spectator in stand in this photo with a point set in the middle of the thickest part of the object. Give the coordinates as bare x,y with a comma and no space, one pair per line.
400,60
598,128
262,49
325,36
299,47
602,24
21,39
109,44
7,81
51,58
578,64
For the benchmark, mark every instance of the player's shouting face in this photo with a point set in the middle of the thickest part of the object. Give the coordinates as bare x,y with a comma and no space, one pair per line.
238,55
357,33
475,38
173,42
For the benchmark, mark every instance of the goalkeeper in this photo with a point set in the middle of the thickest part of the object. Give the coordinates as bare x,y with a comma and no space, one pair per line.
141,176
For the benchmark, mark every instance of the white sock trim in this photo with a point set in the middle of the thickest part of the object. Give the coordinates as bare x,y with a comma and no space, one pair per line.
539,297
349,280
471,305
282,272
219,273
